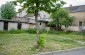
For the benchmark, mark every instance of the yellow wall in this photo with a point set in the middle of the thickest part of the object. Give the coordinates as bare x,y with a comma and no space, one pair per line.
79,16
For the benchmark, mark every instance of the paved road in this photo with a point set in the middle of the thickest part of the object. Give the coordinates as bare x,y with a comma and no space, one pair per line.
80,51
72,52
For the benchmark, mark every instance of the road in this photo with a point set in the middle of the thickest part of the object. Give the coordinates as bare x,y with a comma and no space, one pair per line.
79,51
72,52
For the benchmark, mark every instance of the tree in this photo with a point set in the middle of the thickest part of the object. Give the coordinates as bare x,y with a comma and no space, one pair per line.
8,11
67,22
61,17
34,6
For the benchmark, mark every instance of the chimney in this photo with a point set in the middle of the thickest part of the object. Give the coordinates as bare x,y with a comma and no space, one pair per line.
70,5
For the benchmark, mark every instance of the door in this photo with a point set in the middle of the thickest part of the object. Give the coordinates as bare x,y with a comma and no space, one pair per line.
5,25
19,25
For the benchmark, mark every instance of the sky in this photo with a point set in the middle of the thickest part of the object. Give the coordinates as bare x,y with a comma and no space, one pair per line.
73,2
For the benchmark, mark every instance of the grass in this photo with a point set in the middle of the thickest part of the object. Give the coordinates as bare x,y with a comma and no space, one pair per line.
23,44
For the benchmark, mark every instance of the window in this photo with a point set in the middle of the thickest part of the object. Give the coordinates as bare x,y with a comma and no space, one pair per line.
40,23
80,23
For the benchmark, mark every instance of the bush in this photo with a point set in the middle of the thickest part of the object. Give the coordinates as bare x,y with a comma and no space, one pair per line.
42,40
16,31
3,32
43,31
51,31
31,31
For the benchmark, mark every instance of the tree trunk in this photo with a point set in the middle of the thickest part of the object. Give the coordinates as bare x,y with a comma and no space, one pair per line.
36,21
59,27
37,27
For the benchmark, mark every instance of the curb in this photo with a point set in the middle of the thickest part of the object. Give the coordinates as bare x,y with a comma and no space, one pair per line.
61,51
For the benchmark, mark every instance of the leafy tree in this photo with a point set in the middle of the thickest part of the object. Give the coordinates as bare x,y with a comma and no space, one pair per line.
34,6
67,21
61,17
8,11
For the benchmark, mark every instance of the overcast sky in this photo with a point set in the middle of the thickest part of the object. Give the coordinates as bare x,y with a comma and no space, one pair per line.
73,2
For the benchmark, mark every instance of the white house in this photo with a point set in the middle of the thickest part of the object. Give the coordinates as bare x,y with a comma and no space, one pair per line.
43,18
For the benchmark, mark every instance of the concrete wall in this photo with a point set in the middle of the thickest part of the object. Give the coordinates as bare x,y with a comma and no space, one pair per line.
12,26
79,16
1,25
24,26
83,28
32,26
42,25
22,19
74,28
47,28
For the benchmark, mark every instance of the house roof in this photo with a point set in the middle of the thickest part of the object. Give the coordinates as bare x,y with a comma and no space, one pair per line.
80,8
5,20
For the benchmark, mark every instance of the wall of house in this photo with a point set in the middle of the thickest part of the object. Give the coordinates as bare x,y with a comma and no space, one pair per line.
74,28
12,26
22,19
1,25
24,26
47,28
42,25
32,26
79,16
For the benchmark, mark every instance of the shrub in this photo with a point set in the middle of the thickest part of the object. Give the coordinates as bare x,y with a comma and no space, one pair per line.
42,40
16,31
43,31
3,32
32,31
51,31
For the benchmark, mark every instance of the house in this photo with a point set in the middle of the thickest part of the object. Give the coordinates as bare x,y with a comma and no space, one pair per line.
77,11
79,17
43,19
25,21
28,20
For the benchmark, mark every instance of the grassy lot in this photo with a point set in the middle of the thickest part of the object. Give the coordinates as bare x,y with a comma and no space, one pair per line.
23,44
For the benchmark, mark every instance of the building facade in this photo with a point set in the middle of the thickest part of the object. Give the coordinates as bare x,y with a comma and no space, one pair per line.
79,17
43,19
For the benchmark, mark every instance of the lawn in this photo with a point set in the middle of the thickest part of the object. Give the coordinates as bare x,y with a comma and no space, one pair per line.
23,44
